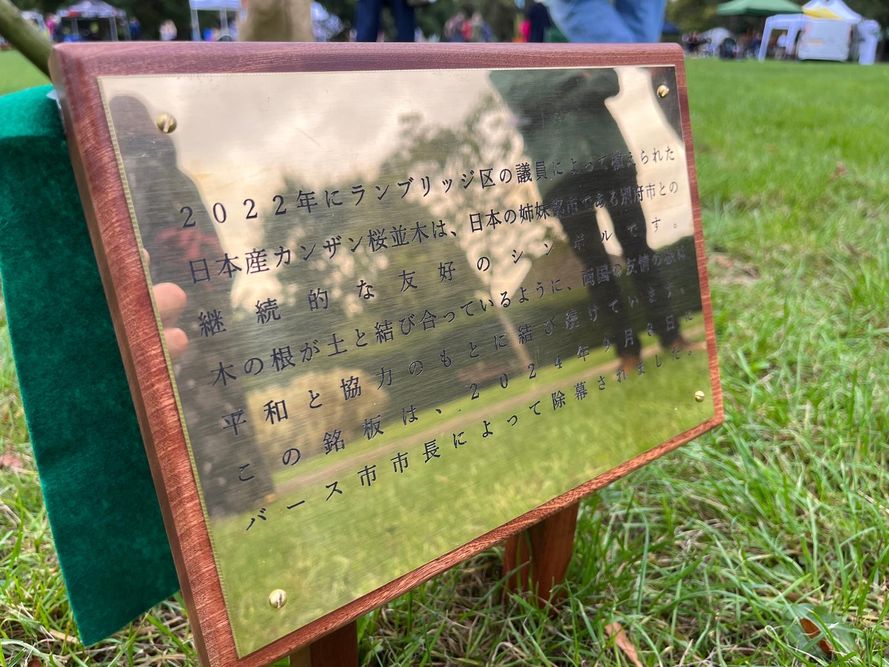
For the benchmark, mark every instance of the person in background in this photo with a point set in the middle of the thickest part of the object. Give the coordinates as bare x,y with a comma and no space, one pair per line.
476,29
524,30
755,43
52,22
367,20
781,46
453,27
620,21
168,31
540,22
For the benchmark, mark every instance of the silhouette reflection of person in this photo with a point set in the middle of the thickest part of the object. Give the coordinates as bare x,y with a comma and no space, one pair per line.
159,190
561,116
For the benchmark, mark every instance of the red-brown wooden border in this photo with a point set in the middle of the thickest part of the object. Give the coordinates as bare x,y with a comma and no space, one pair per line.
75,68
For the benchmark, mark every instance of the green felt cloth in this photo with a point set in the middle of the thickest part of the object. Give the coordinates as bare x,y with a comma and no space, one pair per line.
99,496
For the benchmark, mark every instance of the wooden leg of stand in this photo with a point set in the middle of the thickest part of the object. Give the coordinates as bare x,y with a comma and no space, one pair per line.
537,559
338,649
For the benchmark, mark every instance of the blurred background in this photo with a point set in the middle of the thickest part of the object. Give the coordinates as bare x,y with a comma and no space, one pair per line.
853,30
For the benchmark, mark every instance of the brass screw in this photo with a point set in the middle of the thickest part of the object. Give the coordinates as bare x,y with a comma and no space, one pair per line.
166,123
699,396
277,598
662,91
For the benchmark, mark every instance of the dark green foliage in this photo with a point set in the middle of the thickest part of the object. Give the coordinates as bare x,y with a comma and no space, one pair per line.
877,10
693,15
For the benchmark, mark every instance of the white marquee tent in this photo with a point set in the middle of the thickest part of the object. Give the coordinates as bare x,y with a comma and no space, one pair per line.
221,6
95,10
827,30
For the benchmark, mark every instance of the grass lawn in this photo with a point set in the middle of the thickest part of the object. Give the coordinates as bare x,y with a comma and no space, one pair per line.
713,553
17,73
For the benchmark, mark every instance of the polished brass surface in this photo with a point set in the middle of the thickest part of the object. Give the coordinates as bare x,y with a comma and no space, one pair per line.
166,123
277,598
419,305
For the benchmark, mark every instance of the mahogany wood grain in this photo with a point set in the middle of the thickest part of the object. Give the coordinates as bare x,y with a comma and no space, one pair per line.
536,560
75,68
338,649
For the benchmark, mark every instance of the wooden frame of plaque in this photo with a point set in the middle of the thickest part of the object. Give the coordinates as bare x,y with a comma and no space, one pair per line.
76,70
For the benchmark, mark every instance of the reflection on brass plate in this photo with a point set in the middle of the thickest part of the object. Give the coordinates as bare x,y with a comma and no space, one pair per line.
413,319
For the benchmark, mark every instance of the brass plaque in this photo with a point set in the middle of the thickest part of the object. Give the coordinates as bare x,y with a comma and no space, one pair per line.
419,305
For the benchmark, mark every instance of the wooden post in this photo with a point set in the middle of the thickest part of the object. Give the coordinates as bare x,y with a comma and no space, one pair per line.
338,649
537,559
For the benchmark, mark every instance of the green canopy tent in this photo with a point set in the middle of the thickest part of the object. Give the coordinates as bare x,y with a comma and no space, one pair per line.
756,7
